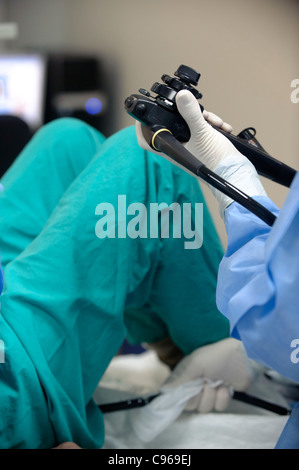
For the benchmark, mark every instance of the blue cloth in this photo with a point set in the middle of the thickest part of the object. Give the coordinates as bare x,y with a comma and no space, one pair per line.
258,290
258,282
289,438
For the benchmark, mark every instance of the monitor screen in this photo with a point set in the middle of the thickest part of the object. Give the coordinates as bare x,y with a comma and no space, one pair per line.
22,87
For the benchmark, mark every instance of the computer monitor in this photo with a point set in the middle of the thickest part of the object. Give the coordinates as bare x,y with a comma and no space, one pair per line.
22,87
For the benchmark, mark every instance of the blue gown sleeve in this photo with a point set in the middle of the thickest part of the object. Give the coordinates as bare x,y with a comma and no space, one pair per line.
258,283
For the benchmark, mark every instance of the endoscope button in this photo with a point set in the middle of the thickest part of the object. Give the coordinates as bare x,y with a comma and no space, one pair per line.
129,101
140,109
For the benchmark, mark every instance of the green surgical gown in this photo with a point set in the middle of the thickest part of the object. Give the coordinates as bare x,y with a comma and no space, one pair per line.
70,298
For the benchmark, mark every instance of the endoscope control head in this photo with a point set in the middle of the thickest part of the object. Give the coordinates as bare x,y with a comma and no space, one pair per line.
161,110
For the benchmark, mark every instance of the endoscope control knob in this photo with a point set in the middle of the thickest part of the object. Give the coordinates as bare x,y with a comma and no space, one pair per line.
187,74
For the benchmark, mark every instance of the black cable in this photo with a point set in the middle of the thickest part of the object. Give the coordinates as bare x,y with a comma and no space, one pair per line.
240,396
245,398
162,140
265,165
127,404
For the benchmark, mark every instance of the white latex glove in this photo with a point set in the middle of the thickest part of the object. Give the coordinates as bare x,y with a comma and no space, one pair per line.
225,361
211,118
213,149
216,152
205,143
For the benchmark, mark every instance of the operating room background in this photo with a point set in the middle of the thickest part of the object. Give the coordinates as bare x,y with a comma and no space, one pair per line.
246,52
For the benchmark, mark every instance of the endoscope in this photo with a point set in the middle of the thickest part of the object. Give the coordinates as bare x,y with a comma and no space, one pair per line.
165,131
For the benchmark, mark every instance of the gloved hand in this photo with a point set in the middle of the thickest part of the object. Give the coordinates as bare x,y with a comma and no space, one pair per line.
205,143
224,361
211,118
213,149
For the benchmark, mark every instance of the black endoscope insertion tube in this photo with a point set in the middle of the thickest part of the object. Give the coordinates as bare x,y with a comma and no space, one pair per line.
240,396
163,140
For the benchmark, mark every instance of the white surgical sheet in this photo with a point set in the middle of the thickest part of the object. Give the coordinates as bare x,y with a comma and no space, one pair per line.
242,426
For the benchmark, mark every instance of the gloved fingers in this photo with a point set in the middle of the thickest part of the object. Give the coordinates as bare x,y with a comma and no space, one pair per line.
241,374
207,399
189,109
216,121
223,398
213,398
227,360
193,403
210,398
212,118
204,401
227,127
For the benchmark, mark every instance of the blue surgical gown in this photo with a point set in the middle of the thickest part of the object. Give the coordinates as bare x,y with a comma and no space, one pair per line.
258,282
258,290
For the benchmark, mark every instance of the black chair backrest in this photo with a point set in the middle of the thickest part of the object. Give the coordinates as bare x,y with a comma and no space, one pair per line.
14,135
